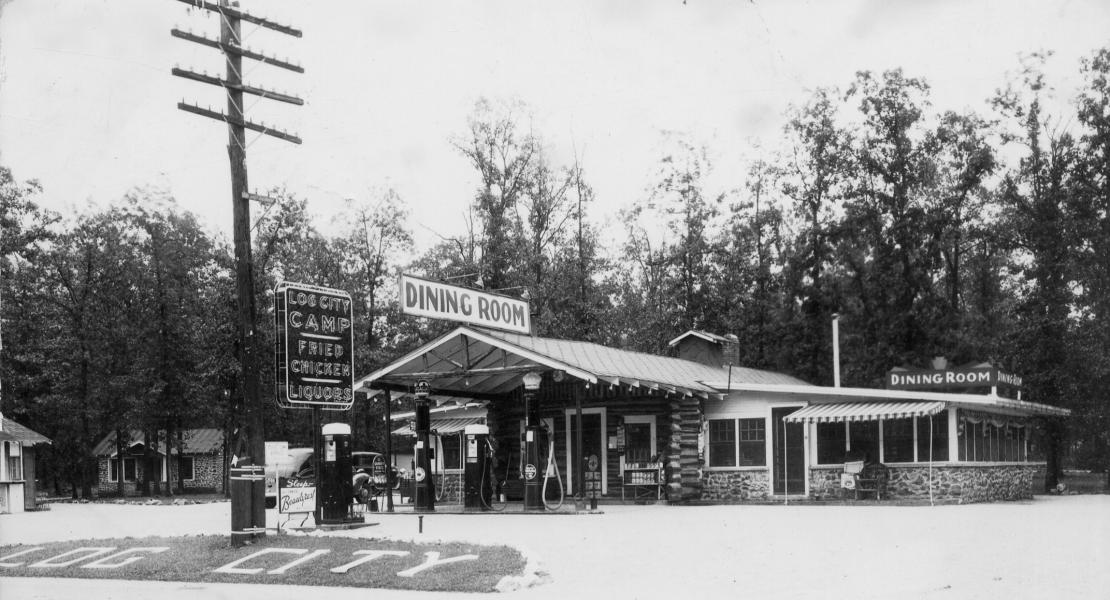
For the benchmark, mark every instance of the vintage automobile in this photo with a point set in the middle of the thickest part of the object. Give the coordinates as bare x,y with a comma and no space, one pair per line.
371,475
297,462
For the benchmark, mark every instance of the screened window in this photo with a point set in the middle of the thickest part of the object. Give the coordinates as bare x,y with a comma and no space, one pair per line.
832,442
898,440
722,443
753,442
863,441
940,437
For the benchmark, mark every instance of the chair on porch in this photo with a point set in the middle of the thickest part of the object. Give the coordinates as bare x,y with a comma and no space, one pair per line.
863,478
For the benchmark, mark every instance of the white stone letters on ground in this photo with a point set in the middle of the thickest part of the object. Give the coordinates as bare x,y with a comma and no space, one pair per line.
431,559
367,556
82,554
4,560
107,561
111,557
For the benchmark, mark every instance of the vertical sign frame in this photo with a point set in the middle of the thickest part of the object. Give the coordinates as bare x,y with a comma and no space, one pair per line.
314,358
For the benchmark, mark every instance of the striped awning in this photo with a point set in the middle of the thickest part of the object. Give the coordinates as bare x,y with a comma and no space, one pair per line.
443,426
863,411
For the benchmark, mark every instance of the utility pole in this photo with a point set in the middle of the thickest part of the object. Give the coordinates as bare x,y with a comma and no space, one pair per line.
249,508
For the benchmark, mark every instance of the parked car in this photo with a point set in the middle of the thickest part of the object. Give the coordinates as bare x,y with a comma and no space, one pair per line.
371,475
297,462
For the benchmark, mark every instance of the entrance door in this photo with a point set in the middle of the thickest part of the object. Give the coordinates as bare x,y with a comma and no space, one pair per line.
789,453
592,444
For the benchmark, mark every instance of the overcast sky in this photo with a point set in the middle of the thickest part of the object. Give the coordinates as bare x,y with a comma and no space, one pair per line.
88,105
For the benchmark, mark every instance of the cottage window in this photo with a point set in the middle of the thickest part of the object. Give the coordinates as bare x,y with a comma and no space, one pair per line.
15,461
722,443
185,468
129,469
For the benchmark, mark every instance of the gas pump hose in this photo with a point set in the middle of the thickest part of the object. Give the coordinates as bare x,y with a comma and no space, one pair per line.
552,466
492,483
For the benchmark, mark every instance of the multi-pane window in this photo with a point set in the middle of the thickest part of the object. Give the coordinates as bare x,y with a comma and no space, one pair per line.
128,469
737,442
722,443
753,442
839,442
987,438
637,447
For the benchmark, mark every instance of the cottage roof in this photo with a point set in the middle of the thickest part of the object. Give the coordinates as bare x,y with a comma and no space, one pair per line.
14,432
195,441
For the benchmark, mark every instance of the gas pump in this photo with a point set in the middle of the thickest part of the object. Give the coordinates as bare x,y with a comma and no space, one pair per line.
477,488
335,476
424,497
530,446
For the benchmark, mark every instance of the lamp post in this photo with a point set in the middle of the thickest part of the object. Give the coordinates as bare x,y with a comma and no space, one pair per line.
533,494
424,496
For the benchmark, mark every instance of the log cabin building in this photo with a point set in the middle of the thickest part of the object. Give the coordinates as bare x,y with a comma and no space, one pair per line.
695,427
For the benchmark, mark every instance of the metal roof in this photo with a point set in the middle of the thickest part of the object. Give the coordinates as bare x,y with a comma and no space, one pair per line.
863,411
443,426
18,433
196,441
818,394
470,360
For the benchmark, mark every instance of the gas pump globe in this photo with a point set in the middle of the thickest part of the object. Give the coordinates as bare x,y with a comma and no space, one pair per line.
530,446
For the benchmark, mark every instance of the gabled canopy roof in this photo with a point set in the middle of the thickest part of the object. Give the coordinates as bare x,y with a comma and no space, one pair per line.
481,363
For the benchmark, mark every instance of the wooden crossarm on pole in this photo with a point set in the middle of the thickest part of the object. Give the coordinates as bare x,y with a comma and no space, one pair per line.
235,49
219,116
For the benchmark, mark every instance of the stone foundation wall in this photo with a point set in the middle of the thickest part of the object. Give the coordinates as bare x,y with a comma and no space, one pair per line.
731,486
450,488
950,483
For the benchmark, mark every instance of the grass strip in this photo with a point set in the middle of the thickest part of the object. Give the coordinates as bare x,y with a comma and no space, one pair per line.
196,558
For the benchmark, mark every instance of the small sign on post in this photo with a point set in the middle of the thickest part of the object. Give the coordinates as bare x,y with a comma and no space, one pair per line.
315,347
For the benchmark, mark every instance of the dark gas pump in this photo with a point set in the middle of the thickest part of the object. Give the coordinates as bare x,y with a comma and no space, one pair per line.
530,445
477,488
424,496
335,474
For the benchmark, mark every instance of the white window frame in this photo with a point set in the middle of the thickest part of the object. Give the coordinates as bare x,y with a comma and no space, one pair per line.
640,419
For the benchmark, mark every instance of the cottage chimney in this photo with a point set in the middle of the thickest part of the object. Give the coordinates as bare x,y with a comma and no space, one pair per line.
707,348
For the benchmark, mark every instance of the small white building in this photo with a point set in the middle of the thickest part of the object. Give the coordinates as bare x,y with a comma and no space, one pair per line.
17,466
